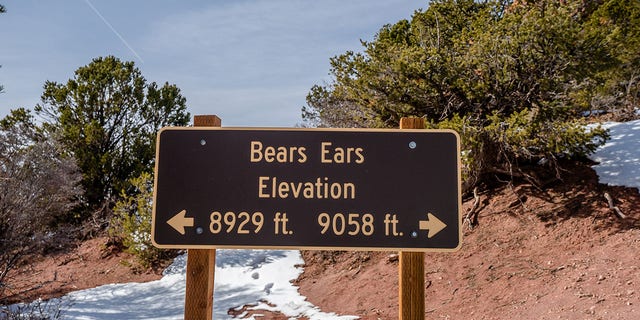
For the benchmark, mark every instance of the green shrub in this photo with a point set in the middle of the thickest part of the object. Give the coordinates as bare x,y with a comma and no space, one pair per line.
525,144
513,90
131,222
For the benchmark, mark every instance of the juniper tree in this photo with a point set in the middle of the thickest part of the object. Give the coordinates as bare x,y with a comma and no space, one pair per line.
508,76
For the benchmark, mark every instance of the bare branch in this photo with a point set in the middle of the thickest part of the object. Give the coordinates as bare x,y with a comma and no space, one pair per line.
615,209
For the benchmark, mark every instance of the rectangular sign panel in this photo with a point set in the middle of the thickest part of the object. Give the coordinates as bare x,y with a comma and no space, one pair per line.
307,189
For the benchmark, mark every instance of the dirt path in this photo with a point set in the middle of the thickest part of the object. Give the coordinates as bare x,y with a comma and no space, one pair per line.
87,266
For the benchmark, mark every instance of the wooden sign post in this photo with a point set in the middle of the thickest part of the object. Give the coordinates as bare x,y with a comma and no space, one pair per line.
326,189
201,263
411,266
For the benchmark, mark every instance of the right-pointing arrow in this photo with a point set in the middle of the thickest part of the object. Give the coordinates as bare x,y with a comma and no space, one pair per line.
433,224
179,221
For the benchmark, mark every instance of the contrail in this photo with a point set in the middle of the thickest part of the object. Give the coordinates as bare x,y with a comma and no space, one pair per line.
114,30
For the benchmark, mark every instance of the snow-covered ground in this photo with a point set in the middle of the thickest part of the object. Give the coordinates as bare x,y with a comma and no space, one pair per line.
619,159
263,277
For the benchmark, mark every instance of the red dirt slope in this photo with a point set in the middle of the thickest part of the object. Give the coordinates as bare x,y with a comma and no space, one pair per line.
561,254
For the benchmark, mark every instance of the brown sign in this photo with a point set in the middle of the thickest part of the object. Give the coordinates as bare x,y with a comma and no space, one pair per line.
307,189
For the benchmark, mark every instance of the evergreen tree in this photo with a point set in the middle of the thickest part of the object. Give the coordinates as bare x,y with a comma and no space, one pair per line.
107,116
618,21
510,77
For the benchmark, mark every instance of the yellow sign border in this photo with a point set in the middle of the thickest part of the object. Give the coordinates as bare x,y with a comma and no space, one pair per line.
182,246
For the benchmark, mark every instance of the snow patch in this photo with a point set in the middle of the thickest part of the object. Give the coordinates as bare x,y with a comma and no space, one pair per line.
619,159
261,279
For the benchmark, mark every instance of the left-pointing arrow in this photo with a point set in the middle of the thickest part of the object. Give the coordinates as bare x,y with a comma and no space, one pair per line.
179,221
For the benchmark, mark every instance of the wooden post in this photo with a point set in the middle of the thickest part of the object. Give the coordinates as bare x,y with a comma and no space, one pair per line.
201,263
411,266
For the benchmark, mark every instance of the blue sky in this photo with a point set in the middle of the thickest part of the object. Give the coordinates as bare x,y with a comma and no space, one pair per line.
250,62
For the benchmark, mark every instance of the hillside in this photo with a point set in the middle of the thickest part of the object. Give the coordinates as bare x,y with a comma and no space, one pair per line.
561,254
558,254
